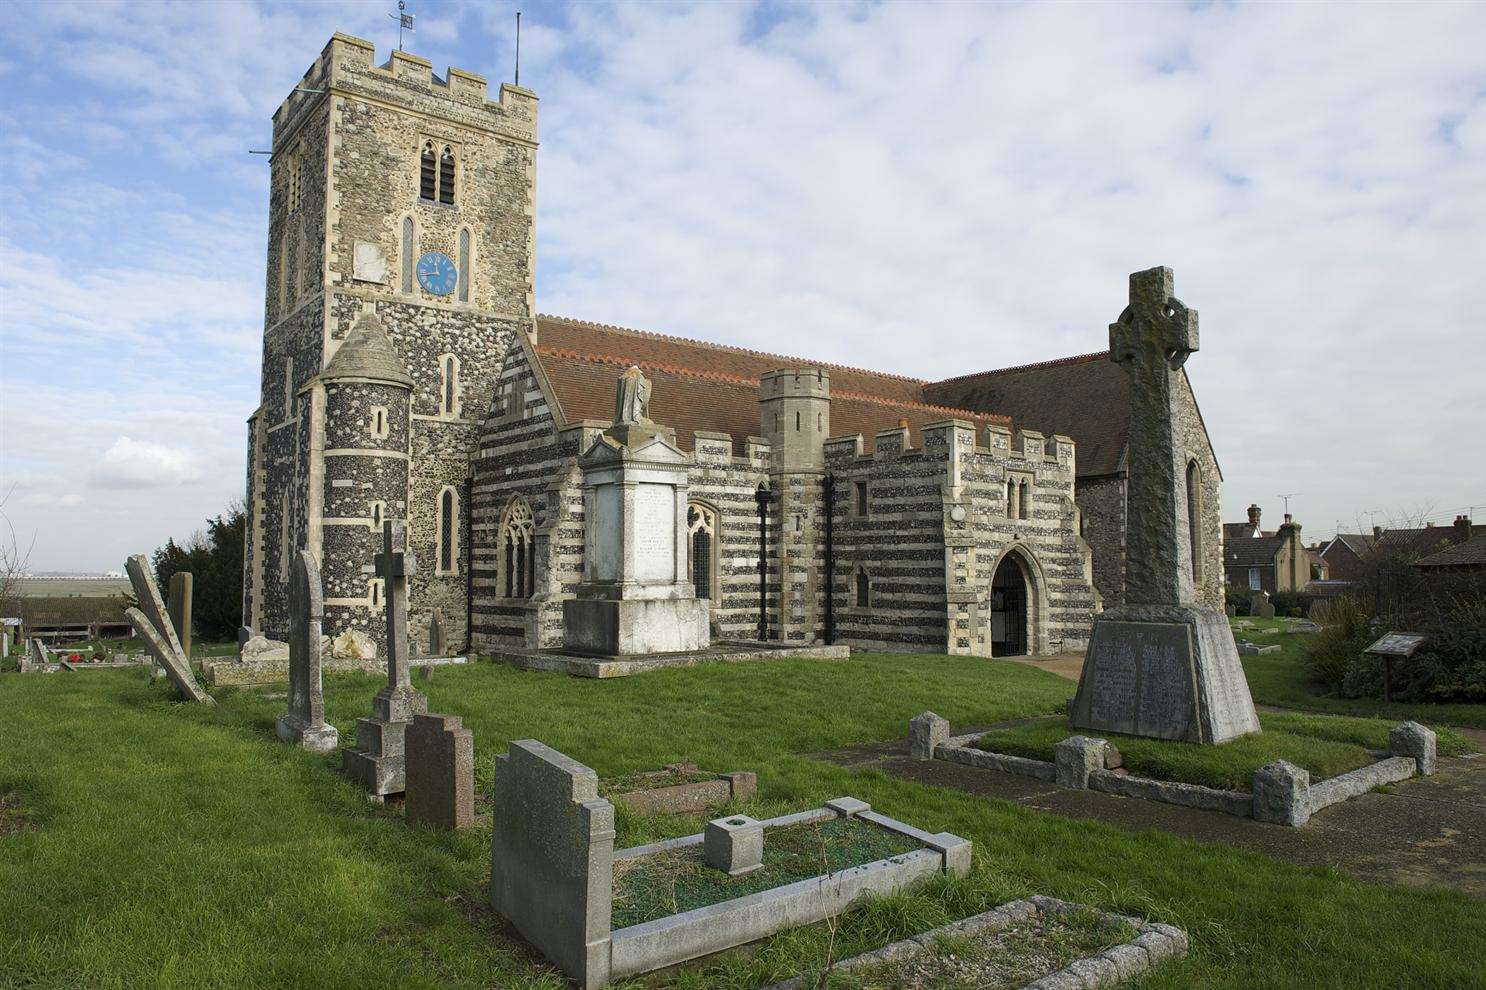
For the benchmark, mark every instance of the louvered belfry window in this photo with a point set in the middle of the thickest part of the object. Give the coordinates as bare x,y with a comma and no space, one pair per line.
446,177
428,175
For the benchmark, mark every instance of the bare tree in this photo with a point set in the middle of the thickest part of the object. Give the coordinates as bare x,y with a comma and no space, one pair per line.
13,562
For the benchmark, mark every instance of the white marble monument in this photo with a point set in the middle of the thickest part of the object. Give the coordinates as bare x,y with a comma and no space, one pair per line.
636,596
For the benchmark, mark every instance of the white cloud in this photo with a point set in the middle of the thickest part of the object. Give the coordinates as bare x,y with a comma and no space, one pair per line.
141,464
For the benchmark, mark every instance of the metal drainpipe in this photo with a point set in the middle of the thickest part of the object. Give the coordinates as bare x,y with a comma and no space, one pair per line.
828,494
763,497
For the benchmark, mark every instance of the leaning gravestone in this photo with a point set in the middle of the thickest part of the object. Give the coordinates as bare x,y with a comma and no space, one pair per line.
1160,665
181,583
379,758
305,721
552,858
152,622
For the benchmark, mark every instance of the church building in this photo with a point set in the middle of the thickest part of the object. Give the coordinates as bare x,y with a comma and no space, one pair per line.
406,375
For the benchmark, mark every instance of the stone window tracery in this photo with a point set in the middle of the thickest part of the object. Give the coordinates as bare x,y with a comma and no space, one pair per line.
1024,502
701,526
446,177
517,542
1194,518
428,178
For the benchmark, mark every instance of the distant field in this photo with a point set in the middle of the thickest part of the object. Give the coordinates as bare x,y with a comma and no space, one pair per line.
79,587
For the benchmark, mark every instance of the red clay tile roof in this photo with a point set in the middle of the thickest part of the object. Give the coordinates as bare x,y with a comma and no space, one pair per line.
1082,397
709,387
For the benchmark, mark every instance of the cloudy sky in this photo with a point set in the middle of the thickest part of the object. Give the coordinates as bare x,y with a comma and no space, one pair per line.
926,190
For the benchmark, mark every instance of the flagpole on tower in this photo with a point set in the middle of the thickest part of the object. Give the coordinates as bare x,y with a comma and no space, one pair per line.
404,21
518,48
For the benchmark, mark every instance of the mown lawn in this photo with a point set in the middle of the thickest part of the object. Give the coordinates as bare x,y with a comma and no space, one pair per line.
170,845
1326,745
1281,679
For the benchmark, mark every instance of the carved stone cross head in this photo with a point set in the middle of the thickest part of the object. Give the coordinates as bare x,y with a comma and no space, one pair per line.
1155,326
394,561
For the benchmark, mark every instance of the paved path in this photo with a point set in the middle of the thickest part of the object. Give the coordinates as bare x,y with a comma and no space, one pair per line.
1426,832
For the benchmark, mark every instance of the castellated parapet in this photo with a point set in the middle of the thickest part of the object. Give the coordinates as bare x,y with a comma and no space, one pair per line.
795,413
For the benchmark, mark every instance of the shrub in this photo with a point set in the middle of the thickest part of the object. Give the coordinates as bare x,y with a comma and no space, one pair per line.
1237,598
1333,649
1450,665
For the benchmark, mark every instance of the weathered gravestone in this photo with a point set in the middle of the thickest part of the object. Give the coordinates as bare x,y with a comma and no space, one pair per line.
152,622
1260,607
379,757
305,721
181,586
440,773
1160,665
552,858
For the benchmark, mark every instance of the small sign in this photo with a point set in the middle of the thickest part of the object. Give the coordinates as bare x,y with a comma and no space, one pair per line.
1396,644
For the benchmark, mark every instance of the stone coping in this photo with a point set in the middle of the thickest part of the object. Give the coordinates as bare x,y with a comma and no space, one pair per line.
691,934
622,666
689,797
1153,944
1282,793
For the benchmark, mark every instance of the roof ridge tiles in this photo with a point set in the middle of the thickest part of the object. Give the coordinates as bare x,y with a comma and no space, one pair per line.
613,328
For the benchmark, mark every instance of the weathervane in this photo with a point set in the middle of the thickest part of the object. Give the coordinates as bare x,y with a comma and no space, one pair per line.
404,21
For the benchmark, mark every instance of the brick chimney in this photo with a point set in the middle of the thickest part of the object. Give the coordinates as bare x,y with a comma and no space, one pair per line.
1254,516
1462,529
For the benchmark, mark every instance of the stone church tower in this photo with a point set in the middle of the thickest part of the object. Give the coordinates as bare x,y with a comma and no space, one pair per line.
400,266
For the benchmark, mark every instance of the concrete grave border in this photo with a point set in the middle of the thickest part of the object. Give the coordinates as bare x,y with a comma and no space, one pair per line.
552,874
698,795
1153,944
623,666
1282,793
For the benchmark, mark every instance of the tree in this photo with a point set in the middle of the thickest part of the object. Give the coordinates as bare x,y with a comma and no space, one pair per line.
214,557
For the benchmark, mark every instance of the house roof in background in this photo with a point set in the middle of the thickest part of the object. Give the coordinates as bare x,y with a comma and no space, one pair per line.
1358,543
1471,553
1257,551
1426,539
1240,531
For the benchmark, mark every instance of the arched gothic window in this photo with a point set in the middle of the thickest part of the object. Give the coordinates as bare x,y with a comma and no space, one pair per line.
447,552
701,525
1194,518
1010,499
864,589
446,177
464,264
428,176
449,385
406,254
1025,502
517,544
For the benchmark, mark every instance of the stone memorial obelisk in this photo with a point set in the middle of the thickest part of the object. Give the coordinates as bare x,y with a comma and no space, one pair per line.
1161,664
305,723
379,758
636,596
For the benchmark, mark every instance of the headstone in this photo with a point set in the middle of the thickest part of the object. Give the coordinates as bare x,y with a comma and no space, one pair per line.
181,586
244,633
552,858
378,759
304,723
1160,665
152,622
636,596
436,645
1260,607
440,773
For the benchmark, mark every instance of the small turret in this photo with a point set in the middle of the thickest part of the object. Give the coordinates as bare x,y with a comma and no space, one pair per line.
795,407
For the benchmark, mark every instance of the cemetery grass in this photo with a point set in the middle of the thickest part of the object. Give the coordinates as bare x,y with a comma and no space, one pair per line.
1282,680
1326,745
174,845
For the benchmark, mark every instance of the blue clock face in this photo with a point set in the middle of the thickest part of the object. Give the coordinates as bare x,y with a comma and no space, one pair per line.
436,273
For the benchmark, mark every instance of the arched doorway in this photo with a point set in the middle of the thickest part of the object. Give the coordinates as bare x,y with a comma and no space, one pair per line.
1011,611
